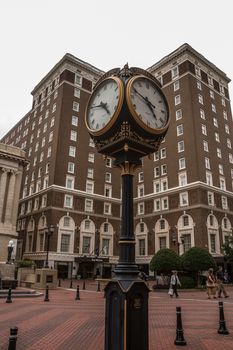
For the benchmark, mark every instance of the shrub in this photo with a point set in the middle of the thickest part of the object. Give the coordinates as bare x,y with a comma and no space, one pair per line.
187,282
164,261
25,263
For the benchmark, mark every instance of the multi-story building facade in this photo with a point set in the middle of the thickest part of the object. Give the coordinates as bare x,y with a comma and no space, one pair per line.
183,192
12,162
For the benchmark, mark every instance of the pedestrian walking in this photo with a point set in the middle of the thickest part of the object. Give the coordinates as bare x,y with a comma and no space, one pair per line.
211,284
220,280
174,282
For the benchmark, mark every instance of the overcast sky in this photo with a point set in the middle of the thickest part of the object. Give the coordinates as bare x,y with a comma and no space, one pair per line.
34,35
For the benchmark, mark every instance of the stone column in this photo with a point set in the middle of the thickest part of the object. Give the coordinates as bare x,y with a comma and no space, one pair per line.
3,183
10,199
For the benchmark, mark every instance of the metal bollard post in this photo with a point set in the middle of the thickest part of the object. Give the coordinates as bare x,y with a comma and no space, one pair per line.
59,283
8,299
77,294
179,329
13,338
71,284
222,324
46,294
98,287
84,285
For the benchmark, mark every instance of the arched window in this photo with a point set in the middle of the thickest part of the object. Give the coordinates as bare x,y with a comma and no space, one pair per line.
106,239
40,242
141,235
161,234
213,235
185,230
66,229
87,237
30,236
226,229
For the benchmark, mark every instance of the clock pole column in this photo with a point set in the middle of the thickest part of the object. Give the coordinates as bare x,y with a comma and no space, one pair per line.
126,320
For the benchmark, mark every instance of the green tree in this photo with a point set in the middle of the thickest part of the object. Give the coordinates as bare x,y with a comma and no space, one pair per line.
228,248
196,260
164,261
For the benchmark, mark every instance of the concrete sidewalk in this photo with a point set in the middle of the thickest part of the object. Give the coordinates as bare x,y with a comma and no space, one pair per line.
66,324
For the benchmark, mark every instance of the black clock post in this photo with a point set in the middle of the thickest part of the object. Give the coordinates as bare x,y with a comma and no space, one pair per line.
127,137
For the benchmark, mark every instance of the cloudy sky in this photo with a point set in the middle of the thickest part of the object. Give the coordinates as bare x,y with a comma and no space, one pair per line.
34,35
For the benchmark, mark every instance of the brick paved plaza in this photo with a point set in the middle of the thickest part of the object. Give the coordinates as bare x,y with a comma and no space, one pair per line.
67,324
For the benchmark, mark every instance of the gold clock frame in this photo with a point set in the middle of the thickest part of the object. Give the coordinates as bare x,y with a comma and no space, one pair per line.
115,115
135,114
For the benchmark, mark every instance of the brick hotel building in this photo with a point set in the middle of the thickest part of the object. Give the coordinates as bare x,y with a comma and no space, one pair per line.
183,193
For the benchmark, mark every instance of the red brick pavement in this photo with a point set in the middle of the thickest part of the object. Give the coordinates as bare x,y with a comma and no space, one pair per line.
67,324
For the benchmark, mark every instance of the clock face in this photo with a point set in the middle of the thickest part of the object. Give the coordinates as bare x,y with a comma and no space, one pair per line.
147,104
104,105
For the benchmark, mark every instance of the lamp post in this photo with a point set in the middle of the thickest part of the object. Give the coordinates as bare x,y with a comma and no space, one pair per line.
48,233
175,241
10,248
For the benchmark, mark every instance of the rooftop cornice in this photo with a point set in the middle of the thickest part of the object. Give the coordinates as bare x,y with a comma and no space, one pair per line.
69,58
187,48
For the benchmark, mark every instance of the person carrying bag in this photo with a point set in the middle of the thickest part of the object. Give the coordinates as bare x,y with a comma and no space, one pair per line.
211,284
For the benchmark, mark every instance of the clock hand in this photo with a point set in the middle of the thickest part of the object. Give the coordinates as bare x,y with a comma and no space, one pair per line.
104,105
144,98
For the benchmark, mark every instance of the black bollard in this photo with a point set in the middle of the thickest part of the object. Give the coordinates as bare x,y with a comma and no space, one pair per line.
59,283
13,338
84,285
222,324
179,330
8,299
71,284
46,298
98,287
77,294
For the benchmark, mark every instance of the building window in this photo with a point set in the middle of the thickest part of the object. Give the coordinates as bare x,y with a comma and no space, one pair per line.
200,99
176,85
74,120
220,169
91,157
77,92
209,179
76,106
222,183
202,114
182,163
211,94
54,107
213,243
224,202
175,72
203,129
213,107
41,156
162,242
198,71
187,242
86,245
36,204
142,246
164,202
223,101
140,177
65,242
215,122
52,122
180,146
29,208
185,220
156,204
108,191
108,177
225,115
177,100
51,136
230,158
108,162
140,208
210,196
179,130
182,179
68,201
163,153
228,143
44,201
207,163
89,187
199,85
205,146
227,129
106,246
70,167
73,135
156,156
90,173
162,224
72,151
78,79
49,152
210,80
216,134
164,169
179,114
141,191
107,208
70,182
184,199
219,153
88,205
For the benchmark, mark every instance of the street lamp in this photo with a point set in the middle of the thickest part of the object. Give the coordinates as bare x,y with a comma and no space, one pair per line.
176,242
10,248
48,233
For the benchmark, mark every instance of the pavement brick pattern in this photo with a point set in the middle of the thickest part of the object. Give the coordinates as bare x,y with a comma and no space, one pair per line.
68,324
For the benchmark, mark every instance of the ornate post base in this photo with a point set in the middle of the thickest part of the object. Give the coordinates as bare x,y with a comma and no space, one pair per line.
126,322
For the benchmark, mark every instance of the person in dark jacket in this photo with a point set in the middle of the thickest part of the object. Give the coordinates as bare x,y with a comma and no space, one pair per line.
220,280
